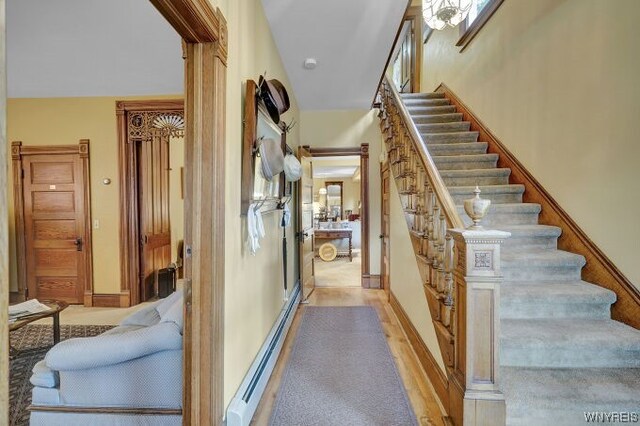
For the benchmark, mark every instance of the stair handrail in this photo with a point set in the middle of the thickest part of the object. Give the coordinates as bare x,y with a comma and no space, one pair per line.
438,185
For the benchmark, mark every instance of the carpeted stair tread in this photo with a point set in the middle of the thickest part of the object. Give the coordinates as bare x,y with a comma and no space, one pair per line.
431,110
413,103
468,177
450,137
572,299
537,396
454,126
437,118
465,148
465,162
543,236
424,95
568,343
532,263
552,292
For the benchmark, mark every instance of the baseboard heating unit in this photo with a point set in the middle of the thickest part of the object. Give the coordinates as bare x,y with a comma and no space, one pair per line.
244,403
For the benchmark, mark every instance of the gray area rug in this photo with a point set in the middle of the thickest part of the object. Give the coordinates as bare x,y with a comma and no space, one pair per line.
32,343
341,372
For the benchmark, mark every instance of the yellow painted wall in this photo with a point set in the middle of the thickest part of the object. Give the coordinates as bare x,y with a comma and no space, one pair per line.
350,128
406,283
557,82
254,284
64,121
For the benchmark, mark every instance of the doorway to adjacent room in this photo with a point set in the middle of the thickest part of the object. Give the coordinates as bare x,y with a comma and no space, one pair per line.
337,221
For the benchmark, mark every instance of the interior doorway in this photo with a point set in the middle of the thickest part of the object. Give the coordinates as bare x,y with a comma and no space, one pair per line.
53,222
336,221
151,148
341,217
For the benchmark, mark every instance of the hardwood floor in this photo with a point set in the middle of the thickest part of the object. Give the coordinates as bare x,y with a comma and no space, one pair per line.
419,389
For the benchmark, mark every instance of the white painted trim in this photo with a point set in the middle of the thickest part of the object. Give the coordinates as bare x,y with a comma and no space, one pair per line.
244,403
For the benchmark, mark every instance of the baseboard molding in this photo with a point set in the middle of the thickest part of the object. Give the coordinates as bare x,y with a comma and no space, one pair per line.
371,281
106,300
434,373
599,270
107,410
244,403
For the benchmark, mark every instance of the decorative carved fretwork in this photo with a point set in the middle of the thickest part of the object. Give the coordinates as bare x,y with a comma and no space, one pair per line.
143,125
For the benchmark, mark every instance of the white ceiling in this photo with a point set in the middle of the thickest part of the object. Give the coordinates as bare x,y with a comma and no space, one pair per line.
336,166
90,48
350,39
322,172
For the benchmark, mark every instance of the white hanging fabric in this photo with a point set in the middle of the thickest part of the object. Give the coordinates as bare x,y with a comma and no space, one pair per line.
255,228
286,216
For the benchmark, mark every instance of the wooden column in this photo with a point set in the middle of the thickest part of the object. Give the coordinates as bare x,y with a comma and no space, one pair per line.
204,233
475,396
4,232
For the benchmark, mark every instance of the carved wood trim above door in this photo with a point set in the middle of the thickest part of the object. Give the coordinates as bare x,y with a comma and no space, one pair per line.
599,269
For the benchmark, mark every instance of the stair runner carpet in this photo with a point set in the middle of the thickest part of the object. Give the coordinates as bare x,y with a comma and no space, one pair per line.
562,356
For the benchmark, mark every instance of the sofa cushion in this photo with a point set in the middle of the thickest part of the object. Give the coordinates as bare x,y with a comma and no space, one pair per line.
43,376
175,314
165,304
146,316
110,349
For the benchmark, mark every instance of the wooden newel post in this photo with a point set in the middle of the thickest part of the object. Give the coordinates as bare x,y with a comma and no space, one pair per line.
475,387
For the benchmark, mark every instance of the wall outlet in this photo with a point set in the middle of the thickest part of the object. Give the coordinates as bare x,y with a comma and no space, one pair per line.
96,224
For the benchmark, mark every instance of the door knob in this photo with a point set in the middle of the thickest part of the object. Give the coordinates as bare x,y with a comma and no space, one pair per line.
381,236
78,244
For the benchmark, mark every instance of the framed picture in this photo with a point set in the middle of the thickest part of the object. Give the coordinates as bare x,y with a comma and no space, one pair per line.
258,126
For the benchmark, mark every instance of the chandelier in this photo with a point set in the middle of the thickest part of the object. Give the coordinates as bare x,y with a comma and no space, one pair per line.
441,13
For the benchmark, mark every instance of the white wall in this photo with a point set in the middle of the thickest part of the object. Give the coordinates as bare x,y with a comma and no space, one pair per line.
350,128
557,81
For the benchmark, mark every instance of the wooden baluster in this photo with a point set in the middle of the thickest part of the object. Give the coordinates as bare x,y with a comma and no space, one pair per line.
448,282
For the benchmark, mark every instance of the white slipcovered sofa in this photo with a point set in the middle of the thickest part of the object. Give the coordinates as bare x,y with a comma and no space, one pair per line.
118,377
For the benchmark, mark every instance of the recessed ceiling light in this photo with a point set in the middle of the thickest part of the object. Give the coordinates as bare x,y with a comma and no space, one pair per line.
310,63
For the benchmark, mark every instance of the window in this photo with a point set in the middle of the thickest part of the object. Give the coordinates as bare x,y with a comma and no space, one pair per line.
481,11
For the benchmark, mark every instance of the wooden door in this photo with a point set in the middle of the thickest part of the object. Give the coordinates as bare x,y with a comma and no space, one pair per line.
384,236
155,228
305,231
57,252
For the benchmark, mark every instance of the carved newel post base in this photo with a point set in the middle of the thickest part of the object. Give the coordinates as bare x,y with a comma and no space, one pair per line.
475,387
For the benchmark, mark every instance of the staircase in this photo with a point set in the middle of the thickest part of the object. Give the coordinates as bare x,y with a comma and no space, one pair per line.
561,354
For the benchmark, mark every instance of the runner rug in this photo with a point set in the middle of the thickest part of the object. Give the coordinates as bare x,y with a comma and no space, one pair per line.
32,343
341,372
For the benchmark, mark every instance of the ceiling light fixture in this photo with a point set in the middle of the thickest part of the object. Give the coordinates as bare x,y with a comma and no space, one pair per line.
439,14
310,63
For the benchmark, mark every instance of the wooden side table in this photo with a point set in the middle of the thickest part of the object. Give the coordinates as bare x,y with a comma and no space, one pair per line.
335,234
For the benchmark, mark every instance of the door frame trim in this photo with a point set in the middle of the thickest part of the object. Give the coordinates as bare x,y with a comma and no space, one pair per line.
128,195
367,280
18,151
204,33
386,286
